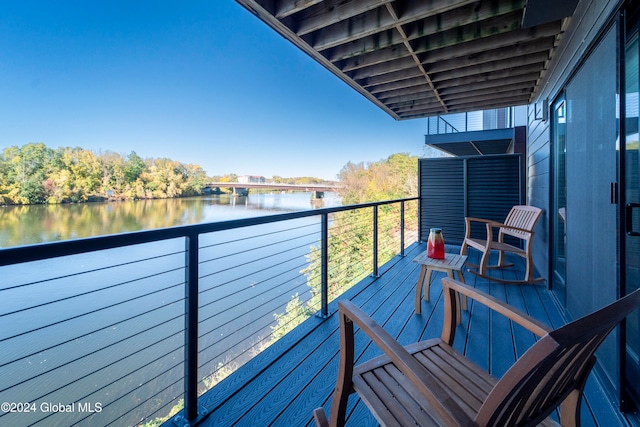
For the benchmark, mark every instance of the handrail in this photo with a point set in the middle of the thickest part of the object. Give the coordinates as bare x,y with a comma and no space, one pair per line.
192,265
40,251
478,121
446,122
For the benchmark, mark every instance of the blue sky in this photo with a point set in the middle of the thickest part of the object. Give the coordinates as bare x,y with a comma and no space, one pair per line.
199,81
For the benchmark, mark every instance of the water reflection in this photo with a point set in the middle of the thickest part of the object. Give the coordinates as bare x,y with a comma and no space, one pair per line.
108,325
24,225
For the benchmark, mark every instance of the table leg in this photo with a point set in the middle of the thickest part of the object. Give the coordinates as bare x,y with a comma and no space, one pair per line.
463,298
423,270
427,286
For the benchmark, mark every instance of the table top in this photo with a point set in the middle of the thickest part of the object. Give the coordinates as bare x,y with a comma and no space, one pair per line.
450,261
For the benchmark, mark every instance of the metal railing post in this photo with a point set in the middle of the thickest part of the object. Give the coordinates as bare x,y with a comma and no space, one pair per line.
375,241
191,330
324,266
402,228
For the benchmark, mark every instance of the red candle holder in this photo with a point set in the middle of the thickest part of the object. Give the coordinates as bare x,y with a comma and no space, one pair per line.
435,244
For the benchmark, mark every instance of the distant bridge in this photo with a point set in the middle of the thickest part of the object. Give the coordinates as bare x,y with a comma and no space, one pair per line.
241,188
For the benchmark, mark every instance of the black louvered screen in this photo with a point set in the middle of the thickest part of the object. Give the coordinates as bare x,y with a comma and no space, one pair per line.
479,186
442,197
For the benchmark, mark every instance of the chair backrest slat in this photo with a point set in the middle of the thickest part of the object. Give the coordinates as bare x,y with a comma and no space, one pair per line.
552,368
521,216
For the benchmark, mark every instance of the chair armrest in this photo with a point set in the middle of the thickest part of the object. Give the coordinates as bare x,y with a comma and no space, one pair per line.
511,227
411,368
449,286
467,226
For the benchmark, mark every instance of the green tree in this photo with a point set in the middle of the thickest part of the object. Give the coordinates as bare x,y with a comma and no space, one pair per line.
351,232
195,180
24,172
113,176
134,167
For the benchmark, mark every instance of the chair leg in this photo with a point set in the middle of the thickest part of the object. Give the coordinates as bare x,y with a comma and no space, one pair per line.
463,298
458,315
501,262
529,273
482,269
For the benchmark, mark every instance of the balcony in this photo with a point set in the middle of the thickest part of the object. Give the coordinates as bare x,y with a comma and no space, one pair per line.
499,118
125,330
284,384
485,132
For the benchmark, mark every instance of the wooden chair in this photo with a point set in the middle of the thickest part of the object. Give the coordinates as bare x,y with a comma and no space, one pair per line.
519,224
429,383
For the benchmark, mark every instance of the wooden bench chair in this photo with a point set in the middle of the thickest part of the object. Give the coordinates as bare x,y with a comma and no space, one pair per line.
519,224
429,383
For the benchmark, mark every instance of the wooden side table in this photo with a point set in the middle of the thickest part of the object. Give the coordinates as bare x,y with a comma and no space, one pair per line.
450,263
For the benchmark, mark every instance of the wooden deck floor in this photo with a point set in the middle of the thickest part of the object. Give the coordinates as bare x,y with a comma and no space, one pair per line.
283,385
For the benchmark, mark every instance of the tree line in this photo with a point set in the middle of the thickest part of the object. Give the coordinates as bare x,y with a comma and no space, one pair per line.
35,173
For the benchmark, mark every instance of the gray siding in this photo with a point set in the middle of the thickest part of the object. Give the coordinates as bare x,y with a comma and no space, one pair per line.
538,190
585,26
591,168
585,66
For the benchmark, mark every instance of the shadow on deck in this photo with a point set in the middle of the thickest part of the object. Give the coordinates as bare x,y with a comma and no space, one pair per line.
286,382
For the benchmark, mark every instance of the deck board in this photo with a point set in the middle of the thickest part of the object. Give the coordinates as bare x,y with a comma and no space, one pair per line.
286,382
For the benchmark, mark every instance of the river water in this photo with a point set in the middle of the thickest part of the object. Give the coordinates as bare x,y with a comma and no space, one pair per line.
119,314
24,225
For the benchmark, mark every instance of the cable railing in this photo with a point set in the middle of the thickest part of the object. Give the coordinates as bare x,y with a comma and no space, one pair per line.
500,118
130,329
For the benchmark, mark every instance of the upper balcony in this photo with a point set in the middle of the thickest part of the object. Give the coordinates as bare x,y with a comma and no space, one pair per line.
499,118
477,133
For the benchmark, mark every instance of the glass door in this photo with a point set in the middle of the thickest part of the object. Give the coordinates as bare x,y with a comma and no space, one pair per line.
559,200
631,246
